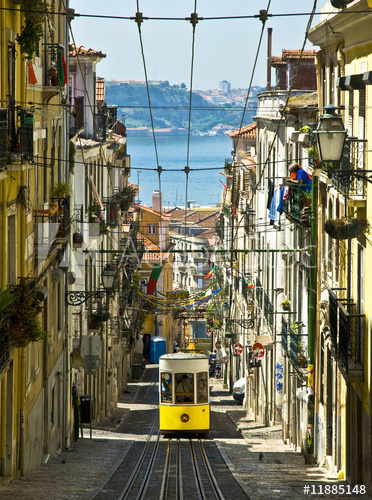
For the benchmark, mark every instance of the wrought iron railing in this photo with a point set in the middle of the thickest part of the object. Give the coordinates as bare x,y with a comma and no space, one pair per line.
294,200
268,310
333,326
350,179
346,332
294,345
284,335
351,339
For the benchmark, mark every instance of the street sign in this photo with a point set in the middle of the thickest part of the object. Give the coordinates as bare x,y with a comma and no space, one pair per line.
218,344
238,348
258,350
178,294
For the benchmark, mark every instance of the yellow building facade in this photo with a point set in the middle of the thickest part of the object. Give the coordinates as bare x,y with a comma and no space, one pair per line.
34,235
343,386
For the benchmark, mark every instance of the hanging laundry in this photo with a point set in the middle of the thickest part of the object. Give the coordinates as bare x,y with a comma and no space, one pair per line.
279,208
270,194
272,209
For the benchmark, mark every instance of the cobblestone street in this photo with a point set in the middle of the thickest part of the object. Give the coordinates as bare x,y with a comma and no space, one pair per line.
280,474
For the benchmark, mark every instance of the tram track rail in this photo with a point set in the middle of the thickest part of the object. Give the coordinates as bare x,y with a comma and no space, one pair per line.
176,468
189,455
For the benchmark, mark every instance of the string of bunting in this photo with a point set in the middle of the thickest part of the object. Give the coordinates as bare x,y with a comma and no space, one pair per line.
177,303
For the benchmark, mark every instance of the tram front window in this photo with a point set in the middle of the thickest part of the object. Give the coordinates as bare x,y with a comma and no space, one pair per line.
166,387
202,387
184,388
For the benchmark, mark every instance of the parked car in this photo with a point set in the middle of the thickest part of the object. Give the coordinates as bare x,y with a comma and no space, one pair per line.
239,390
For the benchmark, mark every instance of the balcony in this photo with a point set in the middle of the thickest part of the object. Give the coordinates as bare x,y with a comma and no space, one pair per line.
249,217
50,76
297,205
16,140
350,179
347,336
294,346
52,227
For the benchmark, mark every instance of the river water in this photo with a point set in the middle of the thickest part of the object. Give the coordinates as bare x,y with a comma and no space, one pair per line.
206,159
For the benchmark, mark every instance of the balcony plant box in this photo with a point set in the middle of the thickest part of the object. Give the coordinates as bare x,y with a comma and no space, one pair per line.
345,229
286,305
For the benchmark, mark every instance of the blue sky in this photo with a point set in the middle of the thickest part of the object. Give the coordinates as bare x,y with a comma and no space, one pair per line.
224,49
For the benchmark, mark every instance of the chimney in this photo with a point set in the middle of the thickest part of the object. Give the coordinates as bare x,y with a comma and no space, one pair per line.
157,201
269,43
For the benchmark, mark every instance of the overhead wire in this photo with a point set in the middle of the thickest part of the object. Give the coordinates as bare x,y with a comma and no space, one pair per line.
272,144
194,21
139,19
212,18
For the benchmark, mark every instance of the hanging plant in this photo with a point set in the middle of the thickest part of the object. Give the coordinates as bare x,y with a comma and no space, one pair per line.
22,325
32,31
345,229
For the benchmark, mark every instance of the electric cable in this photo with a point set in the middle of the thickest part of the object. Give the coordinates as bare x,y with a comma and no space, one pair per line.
212,18
288,95
139,19
263,17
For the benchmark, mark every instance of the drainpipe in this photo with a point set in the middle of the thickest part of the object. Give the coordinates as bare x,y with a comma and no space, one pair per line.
3,183
312,324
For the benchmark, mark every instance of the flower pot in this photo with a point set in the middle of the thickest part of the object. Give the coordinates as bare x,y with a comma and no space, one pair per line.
305,202
345,229
301,362
286,307
304,139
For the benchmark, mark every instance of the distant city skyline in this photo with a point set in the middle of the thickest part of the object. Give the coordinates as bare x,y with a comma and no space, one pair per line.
224,49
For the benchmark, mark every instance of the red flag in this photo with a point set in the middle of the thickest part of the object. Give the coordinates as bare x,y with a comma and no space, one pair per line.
224,185
234,211
31,73
64,69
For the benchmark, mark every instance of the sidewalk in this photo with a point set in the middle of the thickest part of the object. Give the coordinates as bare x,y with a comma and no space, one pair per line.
281,473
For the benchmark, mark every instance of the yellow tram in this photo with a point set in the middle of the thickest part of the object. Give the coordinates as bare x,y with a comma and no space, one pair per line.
184,393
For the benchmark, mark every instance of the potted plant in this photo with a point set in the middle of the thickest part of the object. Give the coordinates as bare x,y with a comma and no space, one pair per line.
304,135
22,323
344,229
301,359
33,28
313,155
305,200
286,305
61,190
97,221
121,151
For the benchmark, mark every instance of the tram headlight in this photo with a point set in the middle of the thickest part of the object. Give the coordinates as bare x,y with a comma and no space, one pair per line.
185,417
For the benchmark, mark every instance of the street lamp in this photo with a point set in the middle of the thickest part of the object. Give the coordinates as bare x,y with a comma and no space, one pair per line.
330,135
108,277
78,297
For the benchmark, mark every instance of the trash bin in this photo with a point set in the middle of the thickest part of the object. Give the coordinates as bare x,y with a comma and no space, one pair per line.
85,408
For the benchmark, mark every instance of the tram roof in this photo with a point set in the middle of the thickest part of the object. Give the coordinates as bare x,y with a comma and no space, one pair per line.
183,355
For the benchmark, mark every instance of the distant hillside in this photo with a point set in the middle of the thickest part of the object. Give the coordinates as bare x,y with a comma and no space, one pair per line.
170,106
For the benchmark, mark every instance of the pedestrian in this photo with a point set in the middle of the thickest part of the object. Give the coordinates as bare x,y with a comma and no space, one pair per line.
299,176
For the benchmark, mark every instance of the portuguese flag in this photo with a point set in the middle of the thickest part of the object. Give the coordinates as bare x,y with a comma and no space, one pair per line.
62,67
154,276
